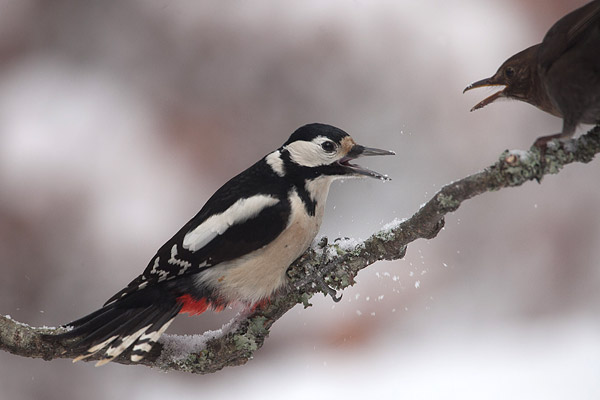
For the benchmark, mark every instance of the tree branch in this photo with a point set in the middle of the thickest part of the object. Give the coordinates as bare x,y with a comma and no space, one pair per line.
335,264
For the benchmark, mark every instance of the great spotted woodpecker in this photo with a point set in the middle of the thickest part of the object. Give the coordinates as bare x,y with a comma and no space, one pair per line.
235,250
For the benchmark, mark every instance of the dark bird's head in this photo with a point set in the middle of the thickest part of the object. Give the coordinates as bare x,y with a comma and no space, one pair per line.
519,77
316,150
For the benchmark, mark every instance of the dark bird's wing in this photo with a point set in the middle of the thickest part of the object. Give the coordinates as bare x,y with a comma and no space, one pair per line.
571,30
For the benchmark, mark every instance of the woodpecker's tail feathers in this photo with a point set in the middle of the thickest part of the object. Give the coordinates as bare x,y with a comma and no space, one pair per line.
126,324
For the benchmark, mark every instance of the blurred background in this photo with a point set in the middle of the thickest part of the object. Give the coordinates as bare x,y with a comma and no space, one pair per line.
119,119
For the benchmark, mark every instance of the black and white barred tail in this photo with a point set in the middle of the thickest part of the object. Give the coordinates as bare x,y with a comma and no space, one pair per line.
133,323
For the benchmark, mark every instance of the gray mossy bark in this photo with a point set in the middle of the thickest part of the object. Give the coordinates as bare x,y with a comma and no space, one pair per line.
336,264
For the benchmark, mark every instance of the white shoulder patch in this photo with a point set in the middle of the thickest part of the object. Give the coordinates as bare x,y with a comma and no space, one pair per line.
274,160
242,210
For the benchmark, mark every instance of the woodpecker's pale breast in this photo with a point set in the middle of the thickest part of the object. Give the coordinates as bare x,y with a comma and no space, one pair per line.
259,274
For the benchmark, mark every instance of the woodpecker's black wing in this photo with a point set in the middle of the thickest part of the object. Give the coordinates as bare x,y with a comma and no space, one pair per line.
245,214
574,28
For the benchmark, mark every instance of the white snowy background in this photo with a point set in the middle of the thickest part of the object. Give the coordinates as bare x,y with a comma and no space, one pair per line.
119,119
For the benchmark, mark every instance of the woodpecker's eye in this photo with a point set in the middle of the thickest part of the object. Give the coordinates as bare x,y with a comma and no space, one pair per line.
328,146
509,72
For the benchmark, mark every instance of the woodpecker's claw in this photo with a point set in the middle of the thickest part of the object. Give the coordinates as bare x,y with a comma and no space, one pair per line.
335,299
328,290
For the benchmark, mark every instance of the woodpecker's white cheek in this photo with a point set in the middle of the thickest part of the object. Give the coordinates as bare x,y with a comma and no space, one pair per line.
242,210
309,154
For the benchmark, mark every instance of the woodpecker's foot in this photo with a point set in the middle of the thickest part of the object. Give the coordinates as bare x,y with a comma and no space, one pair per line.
323,242
324,286
328,290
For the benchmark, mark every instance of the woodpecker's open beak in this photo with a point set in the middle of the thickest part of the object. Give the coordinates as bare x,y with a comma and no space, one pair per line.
360,151
483,83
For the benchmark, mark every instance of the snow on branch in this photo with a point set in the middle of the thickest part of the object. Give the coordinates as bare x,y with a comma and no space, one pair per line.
326,267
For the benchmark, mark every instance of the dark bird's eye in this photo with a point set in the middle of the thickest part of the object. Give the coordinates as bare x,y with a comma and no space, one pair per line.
328,146
509,72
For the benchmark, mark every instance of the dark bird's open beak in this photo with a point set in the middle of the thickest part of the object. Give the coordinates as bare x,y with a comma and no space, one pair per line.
483,83
360,151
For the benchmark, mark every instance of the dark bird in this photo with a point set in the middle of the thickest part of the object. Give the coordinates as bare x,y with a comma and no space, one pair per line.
235,250
561,75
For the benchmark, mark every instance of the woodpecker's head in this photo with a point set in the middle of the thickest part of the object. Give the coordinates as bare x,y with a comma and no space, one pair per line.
323,150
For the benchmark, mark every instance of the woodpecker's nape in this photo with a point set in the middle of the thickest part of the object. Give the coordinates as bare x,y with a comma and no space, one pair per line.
235,250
